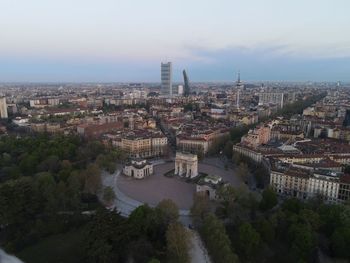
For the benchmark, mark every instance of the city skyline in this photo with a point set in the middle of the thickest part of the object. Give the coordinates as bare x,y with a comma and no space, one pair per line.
174,131
126,40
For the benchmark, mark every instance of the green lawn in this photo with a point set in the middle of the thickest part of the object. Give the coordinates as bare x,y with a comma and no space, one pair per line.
61,248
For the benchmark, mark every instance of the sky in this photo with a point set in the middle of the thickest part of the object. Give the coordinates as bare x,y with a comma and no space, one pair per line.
126,40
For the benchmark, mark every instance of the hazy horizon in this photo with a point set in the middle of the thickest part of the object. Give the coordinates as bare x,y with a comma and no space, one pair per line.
125,41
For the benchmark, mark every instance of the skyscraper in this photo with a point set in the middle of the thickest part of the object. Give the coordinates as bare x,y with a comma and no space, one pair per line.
346,122
187,90
3,108
166,78
239,88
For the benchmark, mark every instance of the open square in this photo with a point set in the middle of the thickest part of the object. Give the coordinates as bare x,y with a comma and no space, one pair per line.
157,187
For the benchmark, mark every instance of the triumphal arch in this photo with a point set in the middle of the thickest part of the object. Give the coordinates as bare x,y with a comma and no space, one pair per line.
186,165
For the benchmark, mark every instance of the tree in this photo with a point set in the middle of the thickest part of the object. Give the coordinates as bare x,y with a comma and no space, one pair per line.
261,176
311,218
269,199
241,206
228,150
217,242
301,241
62,195
340,241
227,196
74,190
108,194
236,158
242,170
28,164
249,239
200,208
266,230
106,237
237,132
144,223
292,205
168,211
51,164
92,179
141,250
19,201
178,242
46,185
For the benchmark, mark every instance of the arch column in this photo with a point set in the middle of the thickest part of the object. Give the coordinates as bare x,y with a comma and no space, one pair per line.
180,169
176,167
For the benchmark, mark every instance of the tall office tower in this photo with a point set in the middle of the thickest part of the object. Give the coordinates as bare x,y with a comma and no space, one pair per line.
166,78
3,108
187,90
346,122
239,87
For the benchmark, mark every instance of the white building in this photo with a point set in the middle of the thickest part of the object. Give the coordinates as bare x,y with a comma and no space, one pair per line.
138,169
186,164
305,184
248,152
266,98
325,185
3,108
180,90
208,185
44,102
21,121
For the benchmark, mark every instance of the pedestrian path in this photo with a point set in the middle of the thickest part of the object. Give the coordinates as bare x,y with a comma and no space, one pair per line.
198,252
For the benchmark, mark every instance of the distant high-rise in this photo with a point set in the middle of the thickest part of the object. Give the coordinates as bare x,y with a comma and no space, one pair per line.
187,90
346,122
180,90
239,83
166,78
239,87
3,108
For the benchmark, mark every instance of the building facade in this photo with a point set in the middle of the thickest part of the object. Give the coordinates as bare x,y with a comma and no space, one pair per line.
166,79
266,98
248,152
138,169
144,147
305,184
187,90
3,108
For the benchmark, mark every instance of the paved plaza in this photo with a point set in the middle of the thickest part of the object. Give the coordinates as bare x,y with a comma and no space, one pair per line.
157,187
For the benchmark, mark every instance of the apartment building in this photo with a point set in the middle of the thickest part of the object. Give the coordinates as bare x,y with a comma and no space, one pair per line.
306,184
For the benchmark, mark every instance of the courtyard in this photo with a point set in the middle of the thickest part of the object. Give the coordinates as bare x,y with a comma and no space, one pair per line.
153,189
